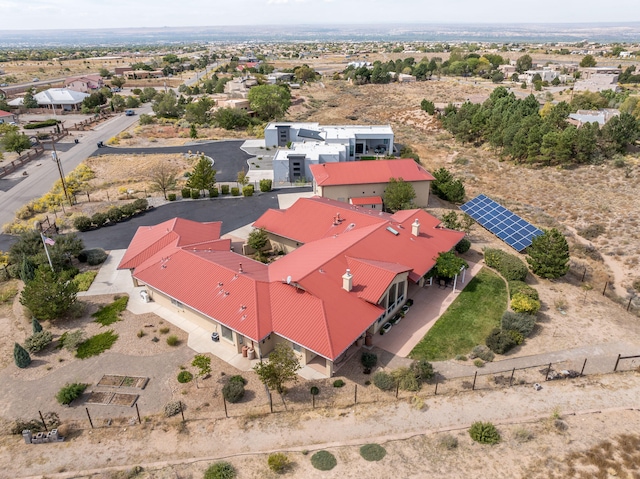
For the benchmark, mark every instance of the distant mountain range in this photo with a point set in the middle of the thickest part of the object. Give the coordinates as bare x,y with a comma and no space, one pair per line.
525,33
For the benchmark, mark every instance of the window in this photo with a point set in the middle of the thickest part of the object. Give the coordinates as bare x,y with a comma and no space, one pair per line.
392,294
297,348
177,303
226,333
400,291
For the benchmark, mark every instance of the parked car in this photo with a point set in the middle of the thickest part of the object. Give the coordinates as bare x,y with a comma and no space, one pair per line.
385,328
4,84
129,112
116,90
36,79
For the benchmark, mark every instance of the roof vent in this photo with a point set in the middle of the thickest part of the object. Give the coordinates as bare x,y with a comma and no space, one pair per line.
240,268
391,230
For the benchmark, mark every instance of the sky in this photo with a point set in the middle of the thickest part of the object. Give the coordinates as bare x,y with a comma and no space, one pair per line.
80,14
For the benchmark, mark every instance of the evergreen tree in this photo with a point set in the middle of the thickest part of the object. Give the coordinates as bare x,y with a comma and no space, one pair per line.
548,255
36,326
29,101
48,295
203,176
21,356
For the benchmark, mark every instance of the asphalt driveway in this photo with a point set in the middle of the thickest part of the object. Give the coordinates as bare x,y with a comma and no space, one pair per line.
227,156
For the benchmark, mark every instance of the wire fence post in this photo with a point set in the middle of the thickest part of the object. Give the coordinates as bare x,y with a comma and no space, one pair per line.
224,401
313,401
355,395
629,303
182,410
473,388
511,379
397,389
605,287
583,365
615,368
89,416
138,413
43,421
270,401
435,393
546,377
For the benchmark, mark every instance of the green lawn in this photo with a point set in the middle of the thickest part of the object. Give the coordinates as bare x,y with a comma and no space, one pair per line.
468,321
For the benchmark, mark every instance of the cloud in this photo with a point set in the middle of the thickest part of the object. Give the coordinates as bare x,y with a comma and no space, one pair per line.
283,2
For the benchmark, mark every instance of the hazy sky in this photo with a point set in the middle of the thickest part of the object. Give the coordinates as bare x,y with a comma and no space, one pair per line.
64,14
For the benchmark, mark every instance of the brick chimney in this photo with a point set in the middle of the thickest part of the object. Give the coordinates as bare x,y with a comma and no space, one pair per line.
347,281
415,228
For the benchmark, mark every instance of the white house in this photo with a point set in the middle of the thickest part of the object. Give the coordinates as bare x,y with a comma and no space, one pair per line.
60,98
303,144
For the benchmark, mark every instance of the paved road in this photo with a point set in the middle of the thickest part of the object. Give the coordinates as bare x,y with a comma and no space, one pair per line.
227,156
42,172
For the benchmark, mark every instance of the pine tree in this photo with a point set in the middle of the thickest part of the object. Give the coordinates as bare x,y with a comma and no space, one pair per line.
35,324
48,296
548,255
203,176
21,356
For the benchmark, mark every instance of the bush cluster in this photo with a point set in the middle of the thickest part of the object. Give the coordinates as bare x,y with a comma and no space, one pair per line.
38,341
68,393
213,193
278,462
233,391
235,191
338,383
40,124
71,340
195,194
265,185
447,187
509,266
186,193
524,304
172,408
184,377
247,190
484,433
463,246
92,256
368,360
373,452
171,196
500,341
520,322
523,288
224,189
323,461
482,352
220,470
112,215
384,380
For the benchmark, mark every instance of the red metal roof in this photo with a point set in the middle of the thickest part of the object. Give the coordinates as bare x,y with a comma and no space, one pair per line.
184,261
6,113
366,200
365,172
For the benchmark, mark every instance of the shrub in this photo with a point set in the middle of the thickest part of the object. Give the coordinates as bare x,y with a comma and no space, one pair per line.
278,462
195,194
172,408
384,380
463,246
372,452
110,313
235,191
184,377
422,369
114,214
186,192
509,266
141,204
164,330
369,360
499,341
128,209
145,119
479,363
82,223
239,379
93,256
213,193
220,470
224,189
38,341
323,461
173,340
68,393
448,441
522,434
96,345
314,390
338,383
233,391
484,433
99,219
517,336
71,340
524,304
523,288
482,352
36,327
265,185
83,280
171,196
21,356
521,322
40,124
405,378
247,190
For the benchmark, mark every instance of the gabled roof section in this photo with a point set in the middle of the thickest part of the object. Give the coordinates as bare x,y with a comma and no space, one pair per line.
366,200
177,232
310,219
365,172
371,278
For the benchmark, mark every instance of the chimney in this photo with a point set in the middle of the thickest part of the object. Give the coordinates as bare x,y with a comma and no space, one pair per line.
415,228
338,216
240,269
335,221
347,281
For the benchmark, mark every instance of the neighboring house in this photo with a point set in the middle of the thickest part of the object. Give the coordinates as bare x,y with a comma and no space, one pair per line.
7,117
277,77
348,270
545,75
598,82
239,87
60,98
84,84
235,103
141,74
601,117
119,71
404,78
363,183
304,144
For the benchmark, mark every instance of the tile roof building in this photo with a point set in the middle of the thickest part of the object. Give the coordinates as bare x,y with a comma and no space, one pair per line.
347,271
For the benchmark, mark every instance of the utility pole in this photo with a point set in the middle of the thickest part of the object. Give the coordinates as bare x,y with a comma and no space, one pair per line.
56,158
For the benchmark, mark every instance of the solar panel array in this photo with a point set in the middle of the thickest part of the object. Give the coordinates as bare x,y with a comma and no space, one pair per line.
506,225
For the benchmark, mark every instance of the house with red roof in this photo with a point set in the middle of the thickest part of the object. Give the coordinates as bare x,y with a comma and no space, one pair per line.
347,270
7,117
362,183
84,84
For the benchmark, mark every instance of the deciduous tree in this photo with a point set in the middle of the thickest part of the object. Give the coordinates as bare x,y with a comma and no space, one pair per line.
14,141
398,195
163,177
270,101
281,368
448,264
